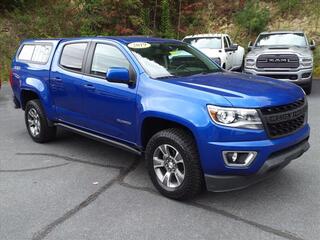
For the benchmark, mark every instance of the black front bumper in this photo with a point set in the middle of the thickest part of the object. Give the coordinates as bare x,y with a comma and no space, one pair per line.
277,161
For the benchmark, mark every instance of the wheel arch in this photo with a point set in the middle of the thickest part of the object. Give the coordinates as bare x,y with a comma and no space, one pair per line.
153,124
26,96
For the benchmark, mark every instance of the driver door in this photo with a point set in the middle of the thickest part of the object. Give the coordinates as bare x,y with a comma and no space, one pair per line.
110,107
229,54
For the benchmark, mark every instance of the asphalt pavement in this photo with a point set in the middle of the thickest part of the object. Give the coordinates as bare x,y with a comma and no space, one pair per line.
77,189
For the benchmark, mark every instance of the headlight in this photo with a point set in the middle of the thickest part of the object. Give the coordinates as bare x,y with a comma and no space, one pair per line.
306,62
235,117
249,62
217,61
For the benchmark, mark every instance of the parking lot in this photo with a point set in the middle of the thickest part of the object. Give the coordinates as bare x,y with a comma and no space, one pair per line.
75,188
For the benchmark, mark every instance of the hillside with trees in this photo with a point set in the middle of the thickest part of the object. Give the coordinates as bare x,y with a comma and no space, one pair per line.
242,19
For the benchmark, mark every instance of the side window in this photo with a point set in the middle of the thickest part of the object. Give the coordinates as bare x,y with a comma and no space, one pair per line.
41,53
26,52
72,56
107,56
36,53
225,43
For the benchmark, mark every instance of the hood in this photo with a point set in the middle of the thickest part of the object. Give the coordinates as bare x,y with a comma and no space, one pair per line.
301,51
211,53
243,90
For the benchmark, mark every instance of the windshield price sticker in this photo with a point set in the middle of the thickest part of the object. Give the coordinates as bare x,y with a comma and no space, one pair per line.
139,45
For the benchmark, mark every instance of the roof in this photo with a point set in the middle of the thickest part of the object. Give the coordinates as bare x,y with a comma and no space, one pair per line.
121,39
206,35
285,31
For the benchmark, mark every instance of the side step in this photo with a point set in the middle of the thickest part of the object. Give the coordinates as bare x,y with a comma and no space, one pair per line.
100,138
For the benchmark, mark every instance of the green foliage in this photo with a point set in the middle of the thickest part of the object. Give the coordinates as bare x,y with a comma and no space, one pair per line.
166,29
316,60
144,21
90,17
39,22
10,4
253,18
287,6
21,19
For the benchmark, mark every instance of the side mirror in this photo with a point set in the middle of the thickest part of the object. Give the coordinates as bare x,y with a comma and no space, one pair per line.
232,48
312,45
250,46
118,75
235,46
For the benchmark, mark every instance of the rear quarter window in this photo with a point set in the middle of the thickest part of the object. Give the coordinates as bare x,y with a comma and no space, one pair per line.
35,53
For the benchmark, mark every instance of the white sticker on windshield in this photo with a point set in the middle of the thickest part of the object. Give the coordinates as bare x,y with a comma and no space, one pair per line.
139,45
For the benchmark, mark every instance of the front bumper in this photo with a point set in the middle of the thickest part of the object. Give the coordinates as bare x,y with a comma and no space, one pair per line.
276,161
300,77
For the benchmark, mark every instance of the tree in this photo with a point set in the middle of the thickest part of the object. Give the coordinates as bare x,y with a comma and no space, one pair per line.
252,17
10,4
145,21
165,24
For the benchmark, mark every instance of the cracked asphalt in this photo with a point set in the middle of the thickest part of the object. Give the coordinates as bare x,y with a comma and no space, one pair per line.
75,188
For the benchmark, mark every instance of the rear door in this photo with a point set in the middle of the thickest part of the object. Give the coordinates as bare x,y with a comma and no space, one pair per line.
110,107
66,81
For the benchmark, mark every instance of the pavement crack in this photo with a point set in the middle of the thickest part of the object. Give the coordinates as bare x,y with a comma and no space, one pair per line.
262,227
32,169
71,159
144,189
122,174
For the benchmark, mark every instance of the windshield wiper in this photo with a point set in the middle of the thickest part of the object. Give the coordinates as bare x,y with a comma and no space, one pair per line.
166,77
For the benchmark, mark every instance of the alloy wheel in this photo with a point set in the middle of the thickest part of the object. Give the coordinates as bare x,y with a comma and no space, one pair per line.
169,166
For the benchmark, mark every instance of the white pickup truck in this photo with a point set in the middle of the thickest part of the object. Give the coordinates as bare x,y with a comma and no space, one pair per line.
220,48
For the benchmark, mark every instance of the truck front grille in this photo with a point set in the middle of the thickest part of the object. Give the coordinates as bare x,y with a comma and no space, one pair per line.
282,76
286,119
278,61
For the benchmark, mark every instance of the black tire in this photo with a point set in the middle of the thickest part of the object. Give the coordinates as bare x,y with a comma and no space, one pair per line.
184,143
46,133
308,88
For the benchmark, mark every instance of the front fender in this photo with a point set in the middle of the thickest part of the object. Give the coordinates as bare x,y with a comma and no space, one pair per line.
180,111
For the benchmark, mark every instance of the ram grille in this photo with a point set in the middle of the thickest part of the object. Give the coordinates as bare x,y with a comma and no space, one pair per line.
278,61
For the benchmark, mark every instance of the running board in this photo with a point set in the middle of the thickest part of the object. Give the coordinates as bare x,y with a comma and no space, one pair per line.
99,138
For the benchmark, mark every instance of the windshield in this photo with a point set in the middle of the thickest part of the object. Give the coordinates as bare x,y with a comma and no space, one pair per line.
162,60
282,39
210,42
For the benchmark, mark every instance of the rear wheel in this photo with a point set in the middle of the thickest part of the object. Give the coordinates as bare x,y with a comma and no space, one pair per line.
37,123
173,164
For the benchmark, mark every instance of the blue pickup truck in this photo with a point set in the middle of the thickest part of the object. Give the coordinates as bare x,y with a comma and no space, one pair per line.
197,125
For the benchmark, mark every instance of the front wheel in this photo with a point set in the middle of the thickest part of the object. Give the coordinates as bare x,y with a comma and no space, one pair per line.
37,123
173,164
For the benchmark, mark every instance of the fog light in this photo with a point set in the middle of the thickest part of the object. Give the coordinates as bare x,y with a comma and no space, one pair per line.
239,158
306,75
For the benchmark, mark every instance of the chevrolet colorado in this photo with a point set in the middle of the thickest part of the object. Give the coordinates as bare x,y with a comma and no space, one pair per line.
197,125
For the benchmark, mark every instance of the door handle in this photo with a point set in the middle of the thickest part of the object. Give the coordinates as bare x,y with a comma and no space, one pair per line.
89,87
56,79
